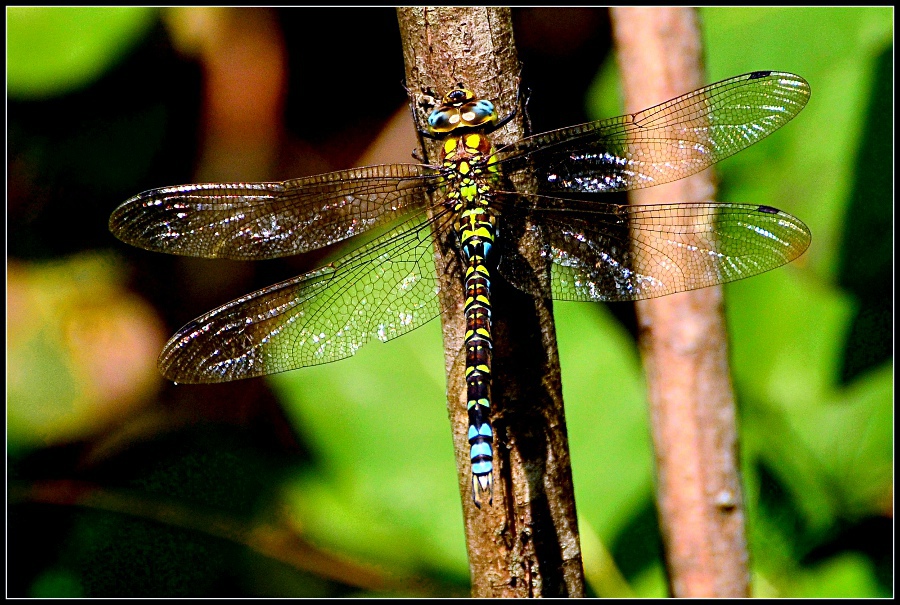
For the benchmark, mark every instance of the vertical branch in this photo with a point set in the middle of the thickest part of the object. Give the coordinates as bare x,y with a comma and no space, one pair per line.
683,343
526,543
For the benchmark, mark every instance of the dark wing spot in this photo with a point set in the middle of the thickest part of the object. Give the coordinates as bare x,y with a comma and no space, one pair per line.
759,74
768,210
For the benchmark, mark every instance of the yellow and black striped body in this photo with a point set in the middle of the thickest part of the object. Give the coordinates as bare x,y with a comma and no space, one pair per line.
470,170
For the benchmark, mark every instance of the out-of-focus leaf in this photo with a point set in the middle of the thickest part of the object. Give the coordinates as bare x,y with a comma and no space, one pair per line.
600,570
378,424
787,338
846,576
57,583
606,416
81,351
808,166
605,95
651,583
53,50
851,437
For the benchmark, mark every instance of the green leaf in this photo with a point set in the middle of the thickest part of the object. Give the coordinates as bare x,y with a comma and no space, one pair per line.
808,166
54,50
378,425
851,439
606,415
845,576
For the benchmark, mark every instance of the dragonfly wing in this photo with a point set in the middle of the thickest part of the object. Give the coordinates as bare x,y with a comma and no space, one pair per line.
664,143
381,290
609,252
251,221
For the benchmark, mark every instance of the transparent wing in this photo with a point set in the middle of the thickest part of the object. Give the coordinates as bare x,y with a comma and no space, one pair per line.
608,252
381,290
664,143
252,221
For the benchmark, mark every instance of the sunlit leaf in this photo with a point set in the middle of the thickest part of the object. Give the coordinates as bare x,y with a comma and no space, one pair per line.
53,50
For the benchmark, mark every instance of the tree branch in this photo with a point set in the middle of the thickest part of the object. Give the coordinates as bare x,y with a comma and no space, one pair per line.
684,346
526,544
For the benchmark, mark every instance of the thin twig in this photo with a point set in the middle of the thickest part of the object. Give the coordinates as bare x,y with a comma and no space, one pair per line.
684,346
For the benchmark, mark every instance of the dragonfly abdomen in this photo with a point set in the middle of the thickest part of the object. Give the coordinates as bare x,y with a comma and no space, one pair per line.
476,244
478,388
469,165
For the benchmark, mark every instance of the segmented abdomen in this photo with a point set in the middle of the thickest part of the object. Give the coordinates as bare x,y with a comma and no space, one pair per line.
471,171
478,357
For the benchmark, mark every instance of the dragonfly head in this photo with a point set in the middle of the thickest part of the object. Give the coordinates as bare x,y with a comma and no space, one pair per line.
460,109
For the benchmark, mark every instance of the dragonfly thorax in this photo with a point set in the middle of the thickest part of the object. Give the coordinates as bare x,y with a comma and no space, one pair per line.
469,167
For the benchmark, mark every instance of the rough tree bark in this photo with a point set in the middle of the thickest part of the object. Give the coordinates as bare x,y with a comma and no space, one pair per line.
526,544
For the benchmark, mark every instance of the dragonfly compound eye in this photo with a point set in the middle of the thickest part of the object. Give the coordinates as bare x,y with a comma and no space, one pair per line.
478,113
443,119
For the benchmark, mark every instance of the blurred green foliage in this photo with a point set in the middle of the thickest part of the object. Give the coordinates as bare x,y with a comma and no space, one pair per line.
52,50
816,429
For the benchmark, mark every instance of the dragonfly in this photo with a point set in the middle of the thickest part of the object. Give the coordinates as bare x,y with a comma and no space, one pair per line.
387,286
